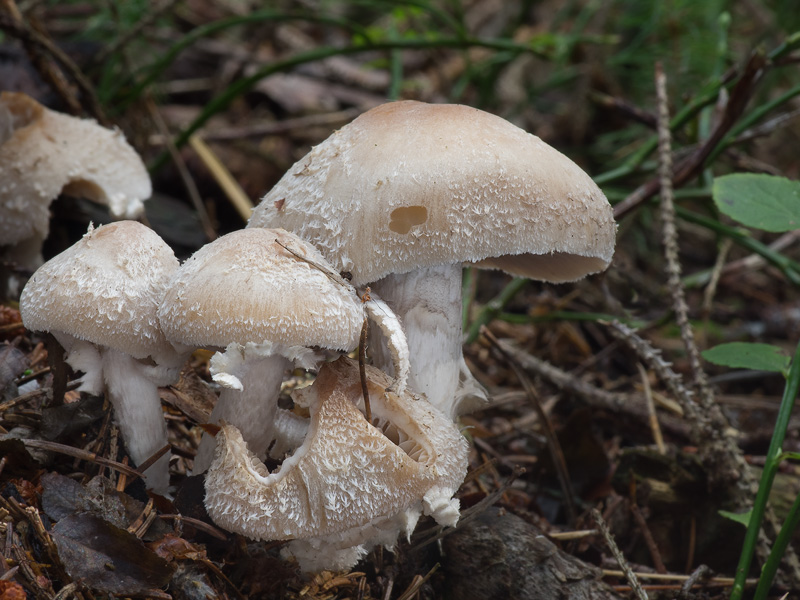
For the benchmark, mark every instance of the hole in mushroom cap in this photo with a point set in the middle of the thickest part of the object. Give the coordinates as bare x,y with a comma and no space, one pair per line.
406,217
81,188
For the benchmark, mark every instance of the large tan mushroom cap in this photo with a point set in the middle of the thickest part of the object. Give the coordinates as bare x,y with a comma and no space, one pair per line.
246,288
44,153
409,185
104,289
347,473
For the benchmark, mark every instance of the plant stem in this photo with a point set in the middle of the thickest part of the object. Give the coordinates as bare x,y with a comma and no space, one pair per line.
767,476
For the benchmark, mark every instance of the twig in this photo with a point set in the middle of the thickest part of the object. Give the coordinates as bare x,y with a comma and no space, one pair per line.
82,455
636,586
652,547
197,524
553,444
716,272
594,396
183,171
670,239
651,409
12,22
693,164
702,572
663,369
154,457
417,583
233,191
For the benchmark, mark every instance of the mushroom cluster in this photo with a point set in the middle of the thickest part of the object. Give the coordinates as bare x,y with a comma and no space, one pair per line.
397,200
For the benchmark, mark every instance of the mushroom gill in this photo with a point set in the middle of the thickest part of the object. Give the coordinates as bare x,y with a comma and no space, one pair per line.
351,484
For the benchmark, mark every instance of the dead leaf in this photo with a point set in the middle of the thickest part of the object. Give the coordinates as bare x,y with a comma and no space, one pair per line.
63,497
11,590
171,547
107,558
61,421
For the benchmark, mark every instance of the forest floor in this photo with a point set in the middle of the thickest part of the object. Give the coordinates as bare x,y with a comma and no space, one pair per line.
599,419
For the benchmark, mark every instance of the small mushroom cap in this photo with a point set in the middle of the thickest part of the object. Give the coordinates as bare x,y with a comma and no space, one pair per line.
409,185
247,288
347,472
104,289
44,153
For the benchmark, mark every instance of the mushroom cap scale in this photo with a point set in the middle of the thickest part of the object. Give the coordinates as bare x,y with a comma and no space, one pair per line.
247,288
104,289
346,474
409,185
44,153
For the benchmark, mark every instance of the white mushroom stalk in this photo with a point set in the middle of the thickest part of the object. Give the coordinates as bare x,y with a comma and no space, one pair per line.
351,484
428,302
267,298
99,299
44,153
408,192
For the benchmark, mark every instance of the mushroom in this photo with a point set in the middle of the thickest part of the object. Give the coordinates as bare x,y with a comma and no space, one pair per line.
99,299
265,297
44,153
409,191
352,484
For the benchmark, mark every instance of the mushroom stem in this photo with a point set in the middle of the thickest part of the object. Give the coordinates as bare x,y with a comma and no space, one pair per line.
249,401
137,409
428,303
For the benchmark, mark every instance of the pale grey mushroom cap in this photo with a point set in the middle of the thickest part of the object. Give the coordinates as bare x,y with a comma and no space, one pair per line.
105,289
409,185
44,153
348,474
246,288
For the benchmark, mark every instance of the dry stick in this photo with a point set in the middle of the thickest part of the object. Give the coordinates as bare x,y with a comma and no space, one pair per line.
716,273
362,369
233,191
82,455
197,524
590,394
652,547
553,445
670,239
651,409
12,22
183,171
701,572
721,450
693,164
636,586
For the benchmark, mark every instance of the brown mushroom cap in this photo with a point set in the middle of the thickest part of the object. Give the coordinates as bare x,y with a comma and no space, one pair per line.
44,153
409,185
246,288
105,289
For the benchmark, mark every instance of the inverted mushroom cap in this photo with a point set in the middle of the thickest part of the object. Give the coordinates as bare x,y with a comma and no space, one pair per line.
44,153
409,185
104,289
246,288
347,472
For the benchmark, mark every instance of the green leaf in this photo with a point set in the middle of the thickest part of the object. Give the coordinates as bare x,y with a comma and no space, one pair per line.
761,201
743,518
744,355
